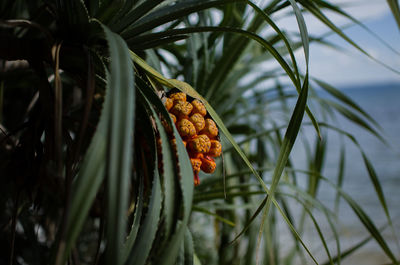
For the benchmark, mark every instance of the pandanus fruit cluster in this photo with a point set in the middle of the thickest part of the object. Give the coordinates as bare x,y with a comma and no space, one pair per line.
198,131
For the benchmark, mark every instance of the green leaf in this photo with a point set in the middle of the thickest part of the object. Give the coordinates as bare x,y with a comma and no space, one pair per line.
148,229
350,250
289,137
169,254
340,11
73,12
120,151
108,9
130,240
234,49
371,171
107,139
189,251
283,37
156,42
185,176
196,260
252,218
311,200
122,14
170,13
217,217
345,99
294,232
394,7
268,46
340,177
303,30
305,41
136,13
287,144
316,225
353,118
367,222
169,176
180,259
86,184
377,185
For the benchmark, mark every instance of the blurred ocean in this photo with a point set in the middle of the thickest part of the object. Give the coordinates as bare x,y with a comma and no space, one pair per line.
382,102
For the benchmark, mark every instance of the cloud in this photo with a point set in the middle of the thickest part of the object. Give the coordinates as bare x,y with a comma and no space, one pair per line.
365,10
361,10
350,67
344,69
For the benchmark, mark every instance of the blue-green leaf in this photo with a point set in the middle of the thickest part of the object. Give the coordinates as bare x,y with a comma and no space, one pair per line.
120,143
148,229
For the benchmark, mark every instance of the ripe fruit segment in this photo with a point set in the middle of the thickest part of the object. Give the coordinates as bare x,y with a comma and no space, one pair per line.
200,144
199,133
210,128
208,164
198,121
215,149
198,107
185,128
181,109
169,103
180,96
196,164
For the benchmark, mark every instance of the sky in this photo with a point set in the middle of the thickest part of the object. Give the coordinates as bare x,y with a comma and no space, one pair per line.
350,67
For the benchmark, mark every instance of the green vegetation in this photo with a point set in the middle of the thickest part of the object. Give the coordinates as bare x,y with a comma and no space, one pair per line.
88,172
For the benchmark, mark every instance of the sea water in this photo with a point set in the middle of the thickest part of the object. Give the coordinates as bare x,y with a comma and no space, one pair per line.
382,103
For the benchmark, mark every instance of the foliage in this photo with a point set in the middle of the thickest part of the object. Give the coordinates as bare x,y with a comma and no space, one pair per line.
89,173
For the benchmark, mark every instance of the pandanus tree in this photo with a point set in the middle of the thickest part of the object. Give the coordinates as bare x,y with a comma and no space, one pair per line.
96,170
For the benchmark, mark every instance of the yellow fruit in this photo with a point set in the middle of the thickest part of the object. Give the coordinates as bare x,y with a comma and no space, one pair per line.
215,149
199,134
198,121
210,128
179,96
181,109
196,164
186,128
168,103
198,107
208,164
200,144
